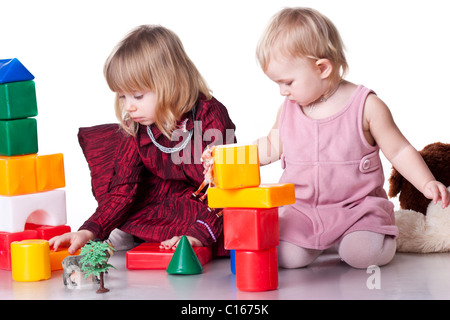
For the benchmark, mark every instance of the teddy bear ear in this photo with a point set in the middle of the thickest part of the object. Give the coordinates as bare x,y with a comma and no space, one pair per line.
395,183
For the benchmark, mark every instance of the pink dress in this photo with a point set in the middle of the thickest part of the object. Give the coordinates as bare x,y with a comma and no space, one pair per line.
337,174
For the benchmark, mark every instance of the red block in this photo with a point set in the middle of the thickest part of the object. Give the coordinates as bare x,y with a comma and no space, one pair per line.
257,270
250,228
47,232
5,245
150,256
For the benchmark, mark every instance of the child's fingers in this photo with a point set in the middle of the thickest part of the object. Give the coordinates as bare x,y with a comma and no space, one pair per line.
170,243
444,195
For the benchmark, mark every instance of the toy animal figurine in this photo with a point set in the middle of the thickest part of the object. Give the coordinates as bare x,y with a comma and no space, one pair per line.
73,277
208,159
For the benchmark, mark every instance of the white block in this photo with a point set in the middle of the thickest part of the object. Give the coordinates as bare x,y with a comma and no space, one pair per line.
47,208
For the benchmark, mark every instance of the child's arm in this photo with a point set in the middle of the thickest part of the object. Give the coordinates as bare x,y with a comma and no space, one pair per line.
379,123
270,147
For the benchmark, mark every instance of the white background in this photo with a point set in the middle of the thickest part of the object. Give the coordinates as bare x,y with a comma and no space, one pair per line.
398,48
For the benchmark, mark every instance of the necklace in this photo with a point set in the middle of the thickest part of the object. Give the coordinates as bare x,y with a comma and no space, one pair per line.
172,150
312,106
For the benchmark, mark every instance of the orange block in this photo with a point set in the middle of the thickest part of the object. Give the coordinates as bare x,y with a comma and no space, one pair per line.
50,172
56,257
18,175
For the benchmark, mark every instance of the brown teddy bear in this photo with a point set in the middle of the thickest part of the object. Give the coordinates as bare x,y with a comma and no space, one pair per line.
437,157
423,226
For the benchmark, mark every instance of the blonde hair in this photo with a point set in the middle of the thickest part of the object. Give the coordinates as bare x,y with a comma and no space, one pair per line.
152,58
306,33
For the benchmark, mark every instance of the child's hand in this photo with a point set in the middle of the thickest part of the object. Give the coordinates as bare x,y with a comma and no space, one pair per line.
75,239
437,191
172,243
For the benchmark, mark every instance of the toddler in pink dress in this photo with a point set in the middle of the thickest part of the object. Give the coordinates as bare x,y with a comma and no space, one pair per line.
328,134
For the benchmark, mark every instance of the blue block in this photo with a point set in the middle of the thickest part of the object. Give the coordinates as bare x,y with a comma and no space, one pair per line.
233,261
12,70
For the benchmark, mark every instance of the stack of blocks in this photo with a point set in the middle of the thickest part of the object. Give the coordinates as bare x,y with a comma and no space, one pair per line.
32,205
250,213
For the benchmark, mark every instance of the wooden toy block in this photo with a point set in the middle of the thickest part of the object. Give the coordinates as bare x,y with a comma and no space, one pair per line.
236,166
45,208
18,100
50,172
6,238
30,260
257,270
31,173
12,70
18,137
56,257
47,232
150,256
17,175
250,228
264,196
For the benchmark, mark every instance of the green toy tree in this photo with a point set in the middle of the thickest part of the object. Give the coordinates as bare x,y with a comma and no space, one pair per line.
94,261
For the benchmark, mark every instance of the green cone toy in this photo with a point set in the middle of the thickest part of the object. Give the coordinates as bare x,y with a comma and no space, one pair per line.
184,260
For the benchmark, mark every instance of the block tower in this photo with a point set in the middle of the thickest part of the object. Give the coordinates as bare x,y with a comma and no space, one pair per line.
250,215
32,203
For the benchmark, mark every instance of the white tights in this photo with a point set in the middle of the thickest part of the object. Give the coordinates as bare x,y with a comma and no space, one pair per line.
359,249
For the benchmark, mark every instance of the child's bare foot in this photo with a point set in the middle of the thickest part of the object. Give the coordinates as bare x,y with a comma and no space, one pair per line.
173,242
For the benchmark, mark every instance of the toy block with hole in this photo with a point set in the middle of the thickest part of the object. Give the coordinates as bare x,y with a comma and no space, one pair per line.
47,232
236,166
6,238
250,228
45,208
256,270
18,100
12,70
18,137
150,256
30,260
31,173
264,196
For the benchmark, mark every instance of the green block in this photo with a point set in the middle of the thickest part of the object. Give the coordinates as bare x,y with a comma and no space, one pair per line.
18,137
18,100
184,259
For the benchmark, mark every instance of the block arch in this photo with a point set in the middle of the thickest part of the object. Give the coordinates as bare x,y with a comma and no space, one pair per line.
47,208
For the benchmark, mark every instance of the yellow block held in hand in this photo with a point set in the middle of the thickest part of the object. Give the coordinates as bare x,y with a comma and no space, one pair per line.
264,196
30,260
236,166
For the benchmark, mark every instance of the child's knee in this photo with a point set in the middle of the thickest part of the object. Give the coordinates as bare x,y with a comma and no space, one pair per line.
291,256
362,249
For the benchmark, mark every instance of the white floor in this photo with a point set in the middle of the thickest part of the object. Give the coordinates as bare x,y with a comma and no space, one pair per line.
408,276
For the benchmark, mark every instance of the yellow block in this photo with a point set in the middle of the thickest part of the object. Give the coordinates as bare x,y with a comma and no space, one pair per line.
30,260
264,196
236,166
50,172
31,173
